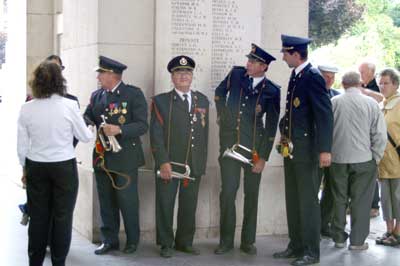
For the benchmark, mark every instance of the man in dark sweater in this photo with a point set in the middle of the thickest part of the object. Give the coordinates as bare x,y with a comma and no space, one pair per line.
367,72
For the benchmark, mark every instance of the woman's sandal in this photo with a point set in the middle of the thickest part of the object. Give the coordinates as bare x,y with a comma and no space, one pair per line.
391,241
385,236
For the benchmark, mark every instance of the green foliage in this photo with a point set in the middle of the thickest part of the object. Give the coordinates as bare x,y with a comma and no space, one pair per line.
376,37
329,19
394,13
378,29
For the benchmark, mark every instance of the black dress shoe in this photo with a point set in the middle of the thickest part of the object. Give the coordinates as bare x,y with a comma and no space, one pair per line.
248,249
188,250
286,254
105,248
129,248
326,233
166,252
305,260
222,249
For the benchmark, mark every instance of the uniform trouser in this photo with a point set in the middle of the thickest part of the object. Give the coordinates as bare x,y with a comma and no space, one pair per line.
302,206
112,201
230,174
357,182
187,205
326,201
52,190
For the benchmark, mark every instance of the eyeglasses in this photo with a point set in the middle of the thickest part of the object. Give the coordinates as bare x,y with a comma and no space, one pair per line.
183,73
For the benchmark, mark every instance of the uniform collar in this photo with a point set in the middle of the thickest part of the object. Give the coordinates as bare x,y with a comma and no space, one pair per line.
116,86
298,69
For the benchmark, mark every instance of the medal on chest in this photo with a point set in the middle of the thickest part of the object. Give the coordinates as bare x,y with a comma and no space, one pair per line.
124,110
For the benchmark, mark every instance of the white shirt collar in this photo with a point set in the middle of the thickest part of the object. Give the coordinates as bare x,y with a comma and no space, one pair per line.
189,98
298,69
352,90
257,80
116,86
180,93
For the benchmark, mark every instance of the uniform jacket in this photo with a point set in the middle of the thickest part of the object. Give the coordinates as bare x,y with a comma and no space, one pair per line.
180,125
227,96
389,166
133,123
308,119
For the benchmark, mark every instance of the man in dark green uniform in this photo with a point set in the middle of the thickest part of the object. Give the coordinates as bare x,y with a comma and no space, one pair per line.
179,139
124,110
306,139
247,117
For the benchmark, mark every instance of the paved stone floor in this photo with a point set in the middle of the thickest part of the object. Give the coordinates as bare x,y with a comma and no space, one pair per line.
13,246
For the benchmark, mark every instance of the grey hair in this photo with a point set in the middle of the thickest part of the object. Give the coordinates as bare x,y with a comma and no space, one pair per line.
371,66
392,74
351,79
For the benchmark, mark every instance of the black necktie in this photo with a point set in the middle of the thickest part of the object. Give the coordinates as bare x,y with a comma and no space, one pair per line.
293,76
292,79
107,96
251,83
186,102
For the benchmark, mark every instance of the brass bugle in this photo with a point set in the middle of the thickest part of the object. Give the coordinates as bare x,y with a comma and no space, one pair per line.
233,154
185,175
110,143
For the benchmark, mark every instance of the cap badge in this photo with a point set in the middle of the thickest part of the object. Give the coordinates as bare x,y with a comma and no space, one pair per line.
183,61
253,49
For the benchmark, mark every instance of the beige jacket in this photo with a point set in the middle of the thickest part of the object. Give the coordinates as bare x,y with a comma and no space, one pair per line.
389,166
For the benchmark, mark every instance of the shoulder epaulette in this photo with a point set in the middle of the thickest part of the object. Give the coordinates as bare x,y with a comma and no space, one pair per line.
200,95
270,82
132,86
153,108
234,68
238,68
96,92
315,71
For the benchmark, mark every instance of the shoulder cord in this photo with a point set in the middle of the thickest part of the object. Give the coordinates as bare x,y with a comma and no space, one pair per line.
108,171
291,108
255,116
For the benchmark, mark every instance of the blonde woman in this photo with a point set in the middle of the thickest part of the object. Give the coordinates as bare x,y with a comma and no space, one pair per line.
389,167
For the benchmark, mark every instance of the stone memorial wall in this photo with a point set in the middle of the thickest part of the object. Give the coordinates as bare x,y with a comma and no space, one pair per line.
215,33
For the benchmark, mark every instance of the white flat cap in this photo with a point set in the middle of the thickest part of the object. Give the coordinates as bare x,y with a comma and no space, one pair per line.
328,68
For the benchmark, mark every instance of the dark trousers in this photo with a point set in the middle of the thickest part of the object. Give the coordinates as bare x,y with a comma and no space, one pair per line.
302,206
112,201
52,190
376,199
357,183
187,205
326,200
230,175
